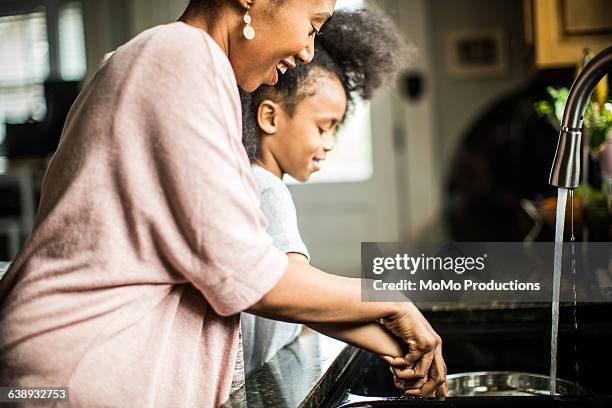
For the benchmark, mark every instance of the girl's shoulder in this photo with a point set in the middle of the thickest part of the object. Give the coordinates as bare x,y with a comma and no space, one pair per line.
268,182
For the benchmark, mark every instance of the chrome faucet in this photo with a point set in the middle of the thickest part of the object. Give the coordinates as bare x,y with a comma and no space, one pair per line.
565,171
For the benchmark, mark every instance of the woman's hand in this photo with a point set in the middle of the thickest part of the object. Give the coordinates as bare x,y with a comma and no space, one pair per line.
428,386
421,372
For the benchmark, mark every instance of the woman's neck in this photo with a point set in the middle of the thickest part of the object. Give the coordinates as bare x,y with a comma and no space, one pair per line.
219,31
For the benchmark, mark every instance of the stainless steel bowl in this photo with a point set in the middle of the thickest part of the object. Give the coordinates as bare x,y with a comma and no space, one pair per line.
484,384
507,383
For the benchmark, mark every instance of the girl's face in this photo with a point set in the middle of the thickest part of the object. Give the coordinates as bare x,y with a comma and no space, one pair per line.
283,34
301,142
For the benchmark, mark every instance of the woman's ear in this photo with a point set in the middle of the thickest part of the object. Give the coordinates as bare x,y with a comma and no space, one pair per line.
244,3
268,117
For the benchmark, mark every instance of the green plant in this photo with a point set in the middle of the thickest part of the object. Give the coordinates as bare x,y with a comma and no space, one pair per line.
597,117
591,195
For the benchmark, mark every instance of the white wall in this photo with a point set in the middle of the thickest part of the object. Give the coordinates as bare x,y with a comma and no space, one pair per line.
146,13
459,102
417,164
431,128
110,23
105,29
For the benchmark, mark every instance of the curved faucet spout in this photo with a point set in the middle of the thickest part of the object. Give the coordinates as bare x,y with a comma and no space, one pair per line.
565,171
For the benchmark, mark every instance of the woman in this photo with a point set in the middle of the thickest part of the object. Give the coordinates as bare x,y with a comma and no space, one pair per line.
149,240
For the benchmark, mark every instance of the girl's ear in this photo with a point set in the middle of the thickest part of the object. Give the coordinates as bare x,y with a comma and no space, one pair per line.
268,117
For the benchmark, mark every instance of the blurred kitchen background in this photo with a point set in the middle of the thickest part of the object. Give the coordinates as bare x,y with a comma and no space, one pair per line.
459,149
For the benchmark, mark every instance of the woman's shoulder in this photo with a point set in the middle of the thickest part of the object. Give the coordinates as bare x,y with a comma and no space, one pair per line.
181,38
178,61
179,45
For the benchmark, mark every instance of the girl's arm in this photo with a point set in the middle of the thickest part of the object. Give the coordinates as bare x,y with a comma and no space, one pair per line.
371,336
307,295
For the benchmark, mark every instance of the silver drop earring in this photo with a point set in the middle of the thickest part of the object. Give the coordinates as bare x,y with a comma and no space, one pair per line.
248,31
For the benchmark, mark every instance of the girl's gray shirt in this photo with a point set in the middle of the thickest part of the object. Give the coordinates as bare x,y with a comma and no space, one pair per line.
261,337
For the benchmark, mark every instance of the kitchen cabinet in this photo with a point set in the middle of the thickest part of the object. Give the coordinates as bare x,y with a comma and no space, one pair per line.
559,30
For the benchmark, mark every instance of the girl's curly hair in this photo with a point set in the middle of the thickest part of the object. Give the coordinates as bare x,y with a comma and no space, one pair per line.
361,47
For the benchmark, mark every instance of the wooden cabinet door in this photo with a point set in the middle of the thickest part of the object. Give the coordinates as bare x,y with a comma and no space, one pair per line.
563,28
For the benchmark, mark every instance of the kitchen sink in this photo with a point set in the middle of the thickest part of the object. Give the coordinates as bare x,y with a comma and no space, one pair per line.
515,340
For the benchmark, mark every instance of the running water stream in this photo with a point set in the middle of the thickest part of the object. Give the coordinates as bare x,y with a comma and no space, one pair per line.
561,202
573,240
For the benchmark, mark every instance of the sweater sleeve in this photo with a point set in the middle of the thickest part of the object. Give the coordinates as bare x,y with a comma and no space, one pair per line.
206,223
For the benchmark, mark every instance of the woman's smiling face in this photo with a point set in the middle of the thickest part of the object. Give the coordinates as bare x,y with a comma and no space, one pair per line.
284,34
301,141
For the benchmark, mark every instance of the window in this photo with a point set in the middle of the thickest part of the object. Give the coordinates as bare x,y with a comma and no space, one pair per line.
28,60
24,51
349,4
351,160
71,42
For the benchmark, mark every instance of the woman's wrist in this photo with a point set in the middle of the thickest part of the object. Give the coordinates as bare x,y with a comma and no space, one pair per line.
396,310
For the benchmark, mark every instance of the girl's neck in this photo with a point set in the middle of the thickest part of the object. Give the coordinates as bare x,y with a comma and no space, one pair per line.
267,162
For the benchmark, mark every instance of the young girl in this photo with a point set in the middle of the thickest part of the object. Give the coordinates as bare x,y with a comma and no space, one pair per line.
290,128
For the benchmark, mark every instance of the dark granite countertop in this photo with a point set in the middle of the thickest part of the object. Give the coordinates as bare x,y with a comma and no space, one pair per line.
299,375
302,373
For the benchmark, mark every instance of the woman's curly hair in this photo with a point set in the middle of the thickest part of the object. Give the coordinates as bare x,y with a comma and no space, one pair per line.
361,47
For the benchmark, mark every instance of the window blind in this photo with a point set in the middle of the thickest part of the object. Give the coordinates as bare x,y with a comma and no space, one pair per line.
72,42
24,65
